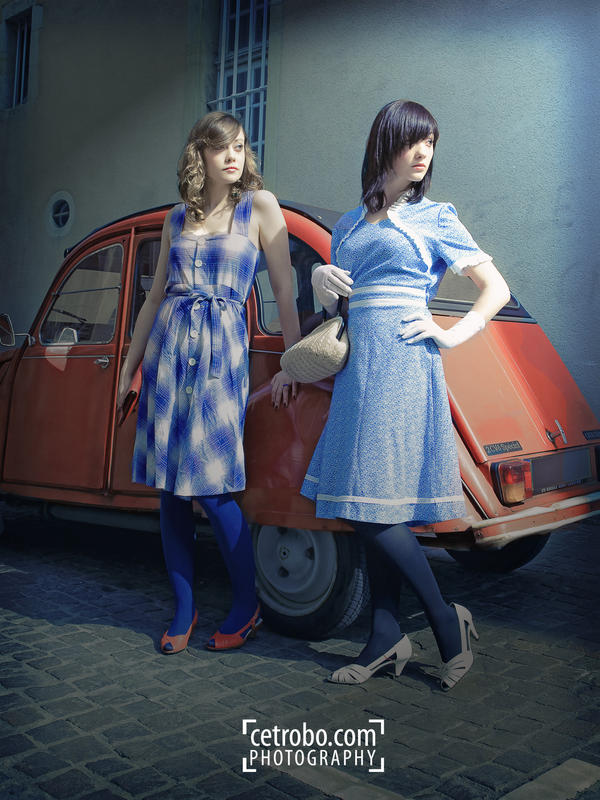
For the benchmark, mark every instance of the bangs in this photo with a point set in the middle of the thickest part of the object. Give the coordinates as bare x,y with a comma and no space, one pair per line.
403,124
222,131
416,125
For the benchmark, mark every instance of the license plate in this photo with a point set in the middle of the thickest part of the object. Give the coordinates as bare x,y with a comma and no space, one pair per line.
559,470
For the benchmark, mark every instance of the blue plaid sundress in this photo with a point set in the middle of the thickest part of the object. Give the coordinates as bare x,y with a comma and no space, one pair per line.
189,437
387,453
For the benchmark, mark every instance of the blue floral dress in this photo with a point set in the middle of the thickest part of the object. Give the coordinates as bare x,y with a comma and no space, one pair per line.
387,453
189,437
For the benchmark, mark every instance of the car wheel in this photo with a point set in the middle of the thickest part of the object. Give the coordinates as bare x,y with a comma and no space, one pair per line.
513,555
311,583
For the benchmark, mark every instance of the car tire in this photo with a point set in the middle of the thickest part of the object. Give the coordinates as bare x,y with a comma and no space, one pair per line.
311,584
514,555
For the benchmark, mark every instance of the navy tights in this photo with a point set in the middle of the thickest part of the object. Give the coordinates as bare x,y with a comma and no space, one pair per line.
235,543
394,554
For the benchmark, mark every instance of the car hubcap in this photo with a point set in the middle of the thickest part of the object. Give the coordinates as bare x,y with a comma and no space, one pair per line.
295,568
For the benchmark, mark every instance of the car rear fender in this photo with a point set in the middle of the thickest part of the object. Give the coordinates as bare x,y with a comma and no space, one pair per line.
279,444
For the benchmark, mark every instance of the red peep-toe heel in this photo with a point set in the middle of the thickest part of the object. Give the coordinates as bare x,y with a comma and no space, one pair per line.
179,642
228,641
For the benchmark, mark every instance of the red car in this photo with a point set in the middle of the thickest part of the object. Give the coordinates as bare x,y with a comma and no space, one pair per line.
528,443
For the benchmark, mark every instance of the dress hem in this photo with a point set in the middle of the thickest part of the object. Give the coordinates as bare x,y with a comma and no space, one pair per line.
390,511
212,493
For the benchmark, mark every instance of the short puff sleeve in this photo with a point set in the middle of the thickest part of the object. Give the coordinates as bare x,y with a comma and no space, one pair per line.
455,245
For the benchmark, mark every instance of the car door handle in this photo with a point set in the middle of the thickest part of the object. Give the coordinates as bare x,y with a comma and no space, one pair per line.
103,361
560,432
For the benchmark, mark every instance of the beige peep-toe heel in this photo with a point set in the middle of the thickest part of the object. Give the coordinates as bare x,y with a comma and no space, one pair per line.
455,669
397,656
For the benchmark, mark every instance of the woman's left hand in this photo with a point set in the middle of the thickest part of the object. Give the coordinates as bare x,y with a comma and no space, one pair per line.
420,327
281,384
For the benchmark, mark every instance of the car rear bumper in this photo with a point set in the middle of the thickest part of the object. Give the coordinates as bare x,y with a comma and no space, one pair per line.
500,531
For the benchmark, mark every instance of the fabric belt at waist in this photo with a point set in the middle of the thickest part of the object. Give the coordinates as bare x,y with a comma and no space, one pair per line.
381,295
217,298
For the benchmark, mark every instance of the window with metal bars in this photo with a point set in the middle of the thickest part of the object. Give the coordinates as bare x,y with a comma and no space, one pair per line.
242,66
18,29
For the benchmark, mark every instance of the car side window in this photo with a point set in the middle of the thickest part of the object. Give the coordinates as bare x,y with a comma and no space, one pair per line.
145,268
304,260
458,293
84,309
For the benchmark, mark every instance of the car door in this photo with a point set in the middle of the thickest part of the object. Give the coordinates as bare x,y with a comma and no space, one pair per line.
146,249
63,394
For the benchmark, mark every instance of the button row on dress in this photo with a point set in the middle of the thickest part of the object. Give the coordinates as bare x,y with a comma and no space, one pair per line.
193,334
188,390
192,362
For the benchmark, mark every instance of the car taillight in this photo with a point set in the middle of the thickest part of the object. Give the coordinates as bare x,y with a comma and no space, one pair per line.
514,480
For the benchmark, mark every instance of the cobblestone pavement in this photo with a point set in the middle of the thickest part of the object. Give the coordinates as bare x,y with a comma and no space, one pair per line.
90,709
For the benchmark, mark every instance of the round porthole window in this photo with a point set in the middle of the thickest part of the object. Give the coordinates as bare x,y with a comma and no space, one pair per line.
59,213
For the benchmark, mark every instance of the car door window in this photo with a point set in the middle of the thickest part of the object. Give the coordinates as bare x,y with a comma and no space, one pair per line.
304,260
145,268
84,309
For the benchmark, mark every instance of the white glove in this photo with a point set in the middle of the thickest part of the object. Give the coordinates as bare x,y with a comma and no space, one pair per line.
329,283
422,327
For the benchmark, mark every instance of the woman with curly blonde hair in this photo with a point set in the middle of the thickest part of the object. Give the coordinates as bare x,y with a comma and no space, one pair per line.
213,130
191,333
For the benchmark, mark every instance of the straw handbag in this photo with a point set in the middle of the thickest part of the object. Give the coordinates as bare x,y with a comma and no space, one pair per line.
321,353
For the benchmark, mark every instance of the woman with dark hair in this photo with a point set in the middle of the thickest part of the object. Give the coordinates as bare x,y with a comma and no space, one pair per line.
387,457
191,333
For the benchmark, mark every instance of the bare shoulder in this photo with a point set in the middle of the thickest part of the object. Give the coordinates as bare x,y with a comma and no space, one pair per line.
166,228
265,202
167,220
267,216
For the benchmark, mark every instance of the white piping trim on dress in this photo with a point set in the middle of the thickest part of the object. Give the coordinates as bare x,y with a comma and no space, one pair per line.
386,501
411,290
386,302
412,235
362,216
310,478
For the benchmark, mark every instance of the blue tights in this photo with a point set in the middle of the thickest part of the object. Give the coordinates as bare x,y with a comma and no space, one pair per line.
235,543
393,555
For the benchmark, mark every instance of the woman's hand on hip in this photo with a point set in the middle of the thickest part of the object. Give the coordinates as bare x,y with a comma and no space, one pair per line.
420,327
281,387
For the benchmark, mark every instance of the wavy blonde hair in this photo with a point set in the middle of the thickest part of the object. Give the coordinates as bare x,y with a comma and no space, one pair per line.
216,129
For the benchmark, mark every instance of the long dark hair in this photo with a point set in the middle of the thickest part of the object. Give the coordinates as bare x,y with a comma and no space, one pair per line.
214,130
399,124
